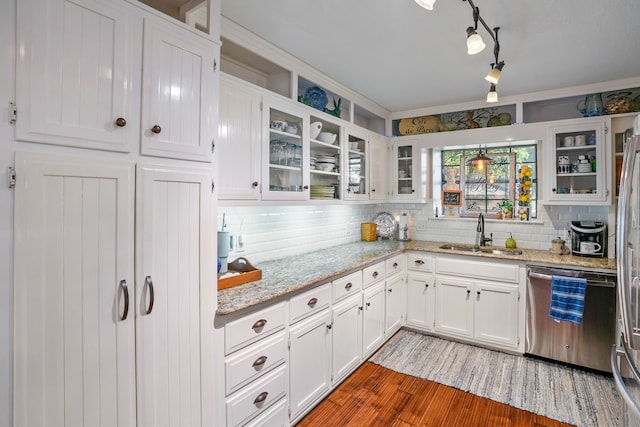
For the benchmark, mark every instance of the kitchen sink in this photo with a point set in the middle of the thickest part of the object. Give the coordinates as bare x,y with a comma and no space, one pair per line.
486,250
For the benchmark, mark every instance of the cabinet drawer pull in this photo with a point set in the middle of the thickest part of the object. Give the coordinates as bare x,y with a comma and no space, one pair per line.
390,290
329,326
368,304
312,301
259,324
395,265
121,122
259,361
348,286
125,293
149,283
419,262
261,397
375,274
156,129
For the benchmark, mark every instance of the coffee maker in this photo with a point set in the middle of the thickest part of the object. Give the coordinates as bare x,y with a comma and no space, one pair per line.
589,238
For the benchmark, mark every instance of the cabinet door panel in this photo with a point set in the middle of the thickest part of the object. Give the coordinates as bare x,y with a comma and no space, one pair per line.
395,304
74,360
178,93
373,320
454,306
420,301
347,337
495,313
76,73
239,139
173,338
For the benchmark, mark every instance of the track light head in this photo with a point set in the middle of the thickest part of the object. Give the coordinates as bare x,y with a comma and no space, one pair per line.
427,4
475,44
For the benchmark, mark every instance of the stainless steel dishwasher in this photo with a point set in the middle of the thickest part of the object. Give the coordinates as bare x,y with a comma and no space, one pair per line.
588,344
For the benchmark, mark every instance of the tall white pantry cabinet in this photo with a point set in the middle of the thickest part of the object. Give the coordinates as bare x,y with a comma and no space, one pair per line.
114,290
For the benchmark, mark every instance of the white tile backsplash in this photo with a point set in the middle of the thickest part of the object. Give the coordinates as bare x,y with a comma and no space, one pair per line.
271,232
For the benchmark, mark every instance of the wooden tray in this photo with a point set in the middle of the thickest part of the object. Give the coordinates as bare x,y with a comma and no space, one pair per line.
248,273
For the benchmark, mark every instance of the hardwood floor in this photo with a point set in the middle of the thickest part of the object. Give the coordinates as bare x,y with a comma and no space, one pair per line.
377,396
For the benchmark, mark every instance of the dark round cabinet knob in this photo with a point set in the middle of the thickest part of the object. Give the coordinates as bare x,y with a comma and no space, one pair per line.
553,189
254,184
156,129
121,122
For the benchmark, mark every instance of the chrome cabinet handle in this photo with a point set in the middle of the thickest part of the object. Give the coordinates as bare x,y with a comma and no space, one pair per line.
149,284
348,286
121,122
419,261
375,274
125,292
312,301
156,129
261,397
259,324
259,361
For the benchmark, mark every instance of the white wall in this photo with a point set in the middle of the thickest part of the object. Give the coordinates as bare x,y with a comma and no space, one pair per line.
7,147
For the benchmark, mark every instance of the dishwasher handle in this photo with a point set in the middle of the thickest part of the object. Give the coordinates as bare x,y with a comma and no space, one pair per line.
593,279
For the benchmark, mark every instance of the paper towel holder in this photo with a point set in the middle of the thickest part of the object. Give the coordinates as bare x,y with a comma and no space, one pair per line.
403,228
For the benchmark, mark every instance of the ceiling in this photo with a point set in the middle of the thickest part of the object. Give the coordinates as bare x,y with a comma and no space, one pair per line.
404,57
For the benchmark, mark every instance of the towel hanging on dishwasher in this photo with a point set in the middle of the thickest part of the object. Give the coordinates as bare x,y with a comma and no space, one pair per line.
567,298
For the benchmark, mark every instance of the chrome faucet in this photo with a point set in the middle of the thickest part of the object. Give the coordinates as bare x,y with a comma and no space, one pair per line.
481,240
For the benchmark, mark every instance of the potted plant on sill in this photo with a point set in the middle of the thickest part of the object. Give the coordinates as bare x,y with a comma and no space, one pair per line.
507,209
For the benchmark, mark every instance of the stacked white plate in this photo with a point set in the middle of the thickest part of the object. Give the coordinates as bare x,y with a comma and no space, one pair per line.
312,162
325,163
322,191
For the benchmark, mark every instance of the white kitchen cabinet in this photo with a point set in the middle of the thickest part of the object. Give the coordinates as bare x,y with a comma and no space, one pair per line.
405,171
454,306
347,337
357,164
78,78
309,362
395,303
285,151
96,343
373,318
378,167
420,300
495,314
179,108
570,182
79,81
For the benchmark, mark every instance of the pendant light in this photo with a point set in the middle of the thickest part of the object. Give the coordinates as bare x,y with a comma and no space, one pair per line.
480,161
427,4
494,74
475,44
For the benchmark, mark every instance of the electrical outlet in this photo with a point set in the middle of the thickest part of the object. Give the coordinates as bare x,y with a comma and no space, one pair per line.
239,243
421,225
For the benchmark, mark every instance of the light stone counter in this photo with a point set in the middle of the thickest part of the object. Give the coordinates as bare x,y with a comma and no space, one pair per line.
283,277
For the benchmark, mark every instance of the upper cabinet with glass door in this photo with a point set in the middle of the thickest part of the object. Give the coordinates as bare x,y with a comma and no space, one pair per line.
404,162
578,163
325,160
285,151
357,167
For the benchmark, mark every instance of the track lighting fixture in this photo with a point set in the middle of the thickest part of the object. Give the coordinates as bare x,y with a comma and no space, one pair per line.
492,96
475,45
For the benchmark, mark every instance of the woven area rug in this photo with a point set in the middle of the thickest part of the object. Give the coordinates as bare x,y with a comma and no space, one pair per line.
570,395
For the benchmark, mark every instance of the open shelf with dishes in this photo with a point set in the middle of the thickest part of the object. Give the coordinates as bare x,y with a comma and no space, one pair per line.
325,158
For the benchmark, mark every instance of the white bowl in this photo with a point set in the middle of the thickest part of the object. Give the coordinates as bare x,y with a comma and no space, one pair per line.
316,127
326,167
327,137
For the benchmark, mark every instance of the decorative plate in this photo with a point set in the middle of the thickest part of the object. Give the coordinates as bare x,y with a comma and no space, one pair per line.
386,225
316,97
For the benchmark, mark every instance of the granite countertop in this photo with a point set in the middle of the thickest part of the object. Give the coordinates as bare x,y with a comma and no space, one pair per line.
285,276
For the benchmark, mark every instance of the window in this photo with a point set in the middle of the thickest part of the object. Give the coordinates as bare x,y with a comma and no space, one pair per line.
484,191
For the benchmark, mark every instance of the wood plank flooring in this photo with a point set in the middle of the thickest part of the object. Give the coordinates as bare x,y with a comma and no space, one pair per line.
377,396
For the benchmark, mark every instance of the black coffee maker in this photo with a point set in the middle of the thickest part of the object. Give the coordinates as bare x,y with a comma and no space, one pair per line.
589,238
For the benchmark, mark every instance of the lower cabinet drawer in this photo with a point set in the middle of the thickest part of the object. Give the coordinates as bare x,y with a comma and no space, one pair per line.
420,262
372,274
347,285
253,327
256,398
254,361
478,269
310,302
276,416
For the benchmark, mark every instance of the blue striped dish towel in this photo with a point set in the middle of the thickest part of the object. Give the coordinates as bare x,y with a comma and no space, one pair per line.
567,298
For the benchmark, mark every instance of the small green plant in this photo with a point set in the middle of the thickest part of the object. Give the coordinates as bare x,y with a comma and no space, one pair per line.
507,208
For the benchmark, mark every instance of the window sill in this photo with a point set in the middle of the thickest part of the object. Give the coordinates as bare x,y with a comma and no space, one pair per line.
492,220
